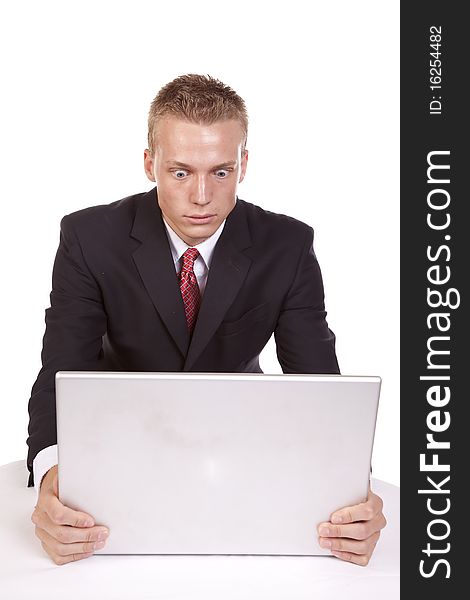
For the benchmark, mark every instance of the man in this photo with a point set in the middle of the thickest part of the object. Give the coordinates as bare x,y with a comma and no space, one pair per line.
186,277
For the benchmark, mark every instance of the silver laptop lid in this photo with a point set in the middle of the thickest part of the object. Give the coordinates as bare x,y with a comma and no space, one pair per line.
198,463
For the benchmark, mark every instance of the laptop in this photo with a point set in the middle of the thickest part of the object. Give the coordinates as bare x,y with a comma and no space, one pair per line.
213,463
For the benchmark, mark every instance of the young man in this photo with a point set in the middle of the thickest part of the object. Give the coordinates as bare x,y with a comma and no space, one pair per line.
186,277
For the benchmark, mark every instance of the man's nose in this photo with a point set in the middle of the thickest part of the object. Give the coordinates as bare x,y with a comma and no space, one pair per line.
201,190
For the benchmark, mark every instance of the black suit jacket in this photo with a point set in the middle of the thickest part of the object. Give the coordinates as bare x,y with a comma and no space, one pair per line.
116,302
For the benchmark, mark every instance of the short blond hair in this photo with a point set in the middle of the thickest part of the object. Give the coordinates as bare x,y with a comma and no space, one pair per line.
197,99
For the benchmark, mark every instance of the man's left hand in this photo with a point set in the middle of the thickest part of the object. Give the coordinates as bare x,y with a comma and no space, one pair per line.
353,531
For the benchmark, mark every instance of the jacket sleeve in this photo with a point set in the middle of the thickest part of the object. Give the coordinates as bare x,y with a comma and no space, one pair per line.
75,325
304,342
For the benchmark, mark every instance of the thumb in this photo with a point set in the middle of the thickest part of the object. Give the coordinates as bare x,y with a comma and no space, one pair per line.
55,485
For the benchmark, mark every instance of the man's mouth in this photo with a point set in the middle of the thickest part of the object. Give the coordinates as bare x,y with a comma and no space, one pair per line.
200,218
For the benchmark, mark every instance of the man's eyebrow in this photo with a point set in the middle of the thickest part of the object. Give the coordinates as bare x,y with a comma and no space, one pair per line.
177,163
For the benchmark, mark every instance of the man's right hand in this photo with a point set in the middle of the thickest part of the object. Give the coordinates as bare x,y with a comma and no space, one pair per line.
66,535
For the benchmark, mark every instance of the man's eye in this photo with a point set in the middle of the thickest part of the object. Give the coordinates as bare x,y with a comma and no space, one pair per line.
222,173
180,174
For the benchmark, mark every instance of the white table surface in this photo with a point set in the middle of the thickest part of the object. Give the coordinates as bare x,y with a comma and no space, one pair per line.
26,572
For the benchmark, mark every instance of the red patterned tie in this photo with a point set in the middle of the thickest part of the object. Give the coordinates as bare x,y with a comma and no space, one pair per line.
189,287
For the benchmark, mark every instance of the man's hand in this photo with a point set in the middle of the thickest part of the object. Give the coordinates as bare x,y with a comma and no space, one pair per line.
354,531
66,535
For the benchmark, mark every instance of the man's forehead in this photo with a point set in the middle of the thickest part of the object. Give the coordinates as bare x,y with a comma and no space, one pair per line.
184,144
180,131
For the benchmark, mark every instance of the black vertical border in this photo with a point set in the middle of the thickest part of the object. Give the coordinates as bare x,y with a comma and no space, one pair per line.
421,133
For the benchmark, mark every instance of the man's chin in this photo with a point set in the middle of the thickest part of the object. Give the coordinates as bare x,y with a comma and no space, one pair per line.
198,233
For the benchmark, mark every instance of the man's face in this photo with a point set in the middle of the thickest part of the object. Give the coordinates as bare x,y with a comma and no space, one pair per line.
197,169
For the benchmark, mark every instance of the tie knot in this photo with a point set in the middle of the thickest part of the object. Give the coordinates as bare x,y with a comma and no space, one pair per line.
189,257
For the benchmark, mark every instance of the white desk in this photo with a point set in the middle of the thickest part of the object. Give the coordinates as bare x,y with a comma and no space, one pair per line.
26,572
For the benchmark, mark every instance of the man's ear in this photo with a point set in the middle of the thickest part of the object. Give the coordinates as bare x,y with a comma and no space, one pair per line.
149,162
243,166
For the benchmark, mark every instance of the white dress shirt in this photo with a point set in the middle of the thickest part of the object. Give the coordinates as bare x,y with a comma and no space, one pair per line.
202,262
47,458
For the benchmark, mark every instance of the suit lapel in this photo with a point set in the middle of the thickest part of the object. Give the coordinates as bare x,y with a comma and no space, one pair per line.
154,262
229,267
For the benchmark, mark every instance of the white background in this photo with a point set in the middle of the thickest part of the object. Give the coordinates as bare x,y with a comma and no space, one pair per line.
320,80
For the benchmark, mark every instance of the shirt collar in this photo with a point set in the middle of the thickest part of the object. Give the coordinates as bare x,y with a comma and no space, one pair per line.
205,248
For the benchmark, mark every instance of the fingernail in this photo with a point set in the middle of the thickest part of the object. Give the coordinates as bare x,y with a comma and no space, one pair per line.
325,543
99,545
102,534
324,531
337,519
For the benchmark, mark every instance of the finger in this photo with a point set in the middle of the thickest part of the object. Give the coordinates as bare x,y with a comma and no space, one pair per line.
66,533
358,559
72,535
58,548
364,511
348,545
359,531
356,531
62,560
